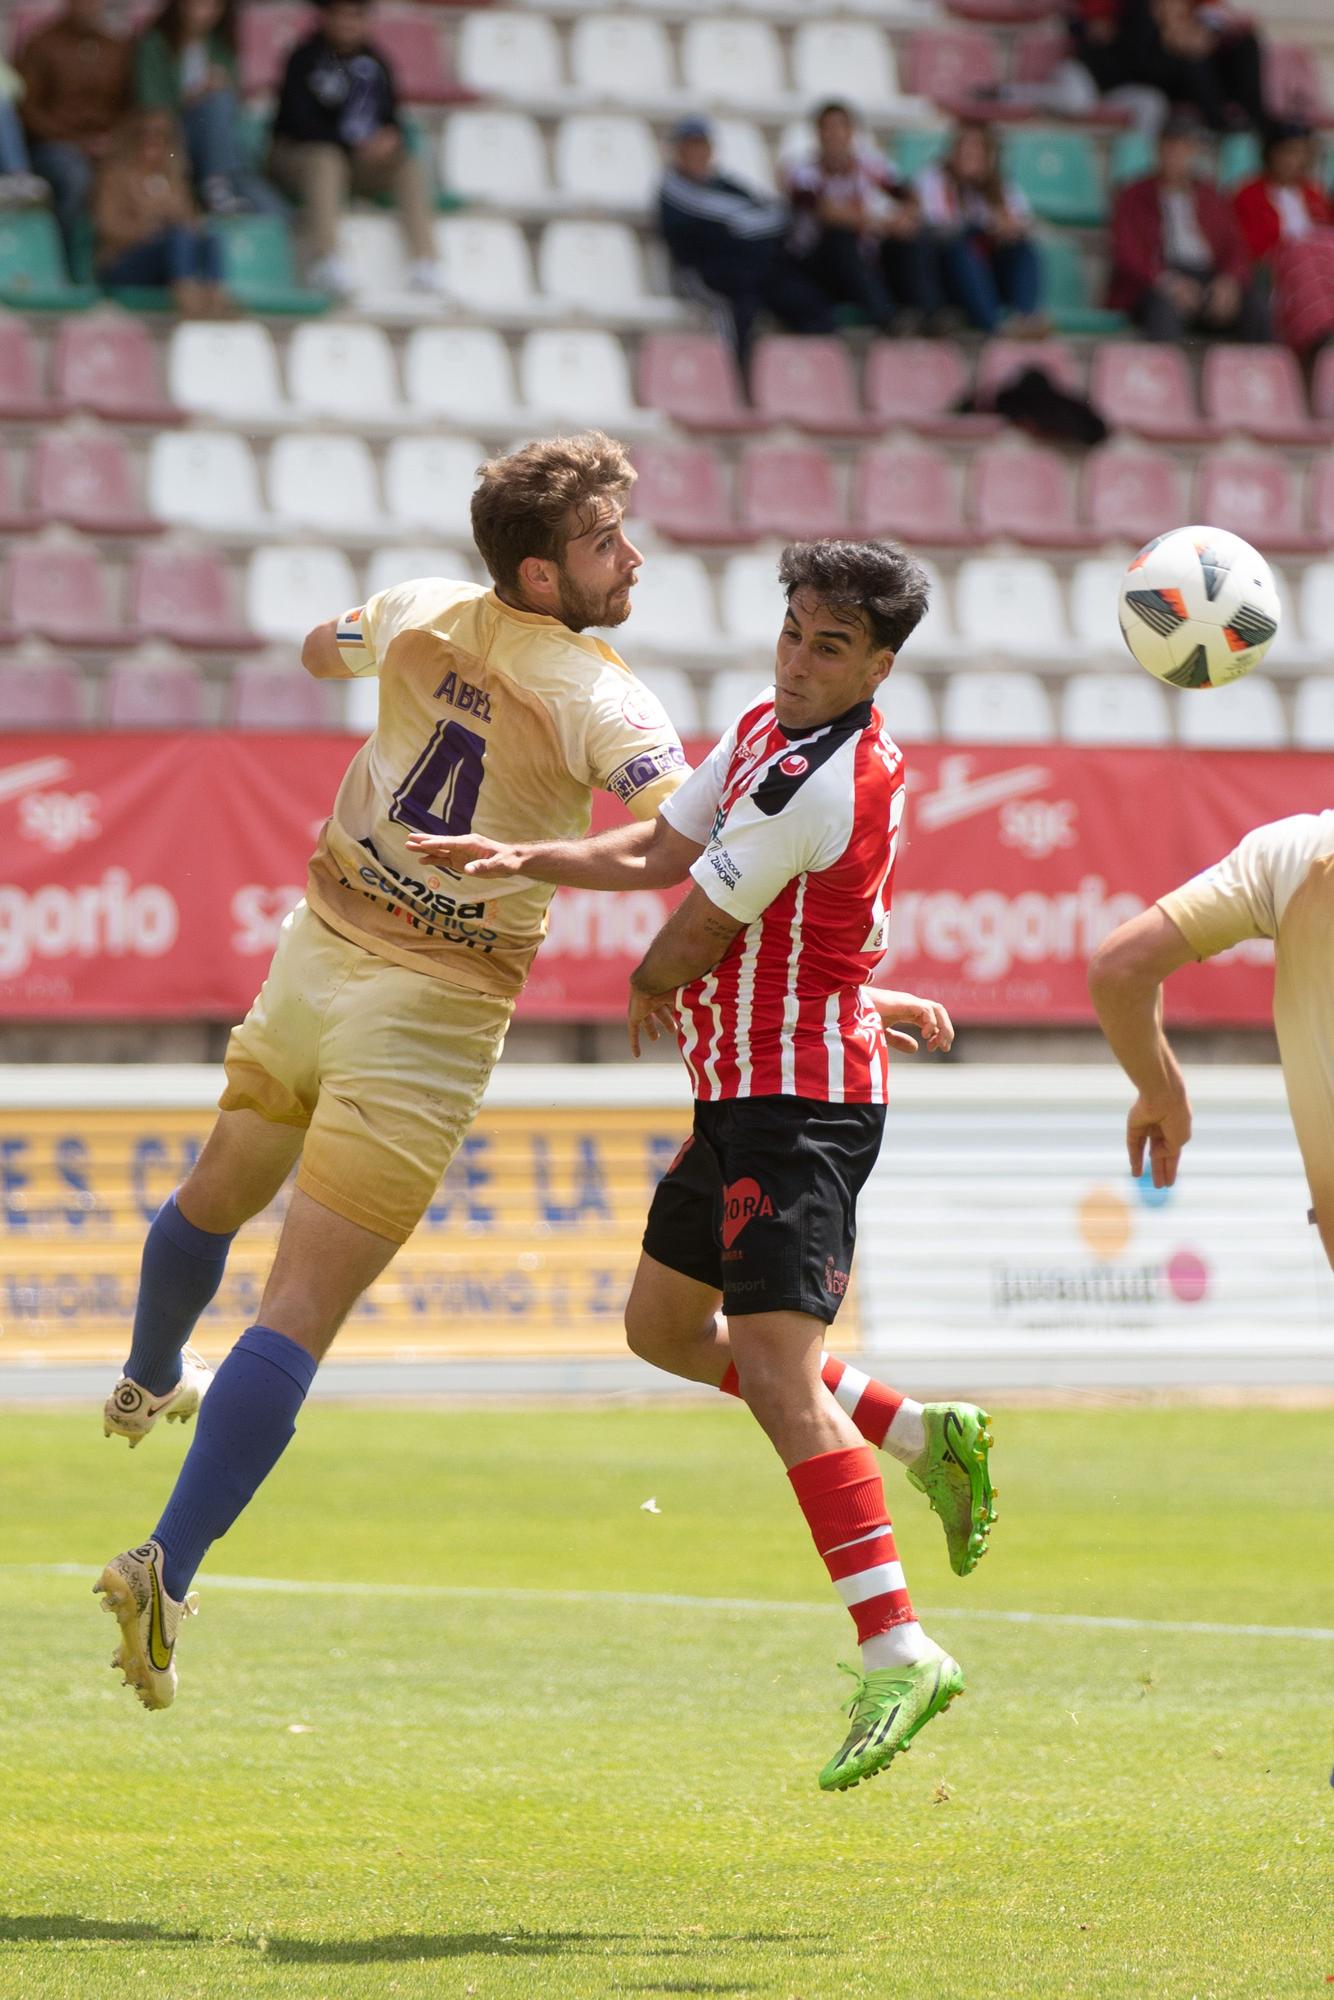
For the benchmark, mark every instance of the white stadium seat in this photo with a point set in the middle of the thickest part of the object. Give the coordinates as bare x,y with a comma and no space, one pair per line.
905,702
509,55
487,266
740,151
607,161
205,479
934,639
226,371
463,373
371,246
289,589
1313,714
597,268
1010,604
399,562
623,59
728,693
731,61
838,58
752,600
675,690
428,482
1094,587
996,708
672,610
1114,708
335,369
324,482
1243,715
495,157
1317,611
579,377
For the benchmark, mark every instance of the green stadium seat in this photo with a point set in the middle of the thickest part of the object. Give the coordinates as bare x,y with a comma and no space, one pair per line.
1065,293
1058,171
1238,158
134,298
1132,157
33,275
911,151
259,267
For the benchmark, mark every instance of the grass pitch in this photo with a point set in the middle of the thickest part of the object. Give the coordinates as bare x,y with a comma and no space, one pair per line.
463,1782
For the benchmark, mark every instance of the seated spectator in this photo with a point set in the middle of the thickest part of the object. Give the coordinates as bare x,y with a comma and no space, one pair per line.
1179,264
76,91
20,187
856,227
1287,220
337,129
980,223
1208,58
185,63
728,245
144,220
1114,54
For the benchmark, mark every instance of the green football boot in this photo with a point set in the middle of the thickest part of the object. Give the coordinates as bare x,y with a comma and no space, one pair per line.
954,1472
888,1709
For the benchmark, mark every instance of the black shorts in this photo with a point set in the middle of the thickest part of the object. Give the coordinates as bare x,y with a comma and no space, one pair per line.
761,1201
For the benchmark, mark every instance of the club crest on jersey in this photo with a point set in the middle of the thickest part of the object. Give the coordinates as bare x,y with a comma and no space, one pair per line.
793,766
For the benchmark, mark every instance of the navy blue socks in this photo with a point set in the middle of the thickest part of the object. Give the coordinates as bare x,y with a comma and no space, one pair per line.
245,1424
181,1270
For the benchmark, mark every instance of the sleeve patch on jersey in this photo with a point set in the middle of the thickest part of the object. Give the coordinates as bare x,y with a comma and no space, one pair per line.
643,710
644,770
349,631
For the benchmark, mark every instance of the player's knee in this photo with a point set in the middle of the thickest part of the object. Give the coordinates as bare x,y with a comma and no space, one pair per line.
643,1329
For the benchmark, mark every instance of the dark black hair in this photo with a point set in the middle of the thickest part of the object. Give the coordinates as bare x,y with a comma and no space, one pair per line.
171,27
879,582
1279,132
823,111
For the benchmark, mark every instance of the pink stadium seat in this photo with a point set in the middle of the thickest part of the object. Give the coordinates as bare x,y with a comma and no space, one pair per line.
682,492
693,379
271,692
22,396
790,490
167,694
185,594
41,693
107,363
1000,360
1133,495
412,47
998,13
913,491
267,37
798,379
1254,495
1293,86
1145,386
1322,385
952,65
1026,496
1037,53
14,518
1257,390
1322,498
917,383
83,477
59,590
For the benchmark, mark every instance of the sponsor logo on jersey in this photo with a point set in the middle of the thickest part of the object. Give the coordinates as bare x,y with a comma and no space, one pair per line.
792,767
638,773
743,1201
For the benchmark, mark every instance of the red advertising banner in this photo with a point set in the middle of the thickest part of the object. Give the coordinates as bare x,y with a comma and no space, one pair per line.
147,875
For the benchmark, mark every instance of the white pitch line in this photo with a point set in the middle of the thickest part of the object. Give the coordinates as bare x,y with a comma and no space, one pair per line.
669,1600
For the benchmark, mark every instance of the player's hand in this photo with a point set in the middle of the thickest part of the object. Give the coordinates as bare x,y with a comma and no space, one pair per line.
1163,1126
927,1016
654,1013
468,856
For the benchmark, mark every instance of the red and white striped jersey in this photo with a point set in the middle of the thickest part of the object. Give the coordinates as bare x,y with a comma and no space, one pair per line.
801,833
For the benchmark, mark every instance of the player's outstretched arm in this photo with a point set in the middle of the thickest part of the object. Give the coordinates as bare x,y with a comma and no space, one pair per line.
1126,975
647,854
929,1017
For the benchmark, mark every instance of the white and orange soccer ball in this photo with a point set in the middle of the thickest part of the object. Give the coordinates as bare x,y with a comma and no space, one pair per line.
1198,607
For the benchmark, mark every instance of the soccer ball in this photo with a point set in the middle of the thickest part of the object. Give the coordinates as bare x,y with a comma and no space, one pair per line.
1198,607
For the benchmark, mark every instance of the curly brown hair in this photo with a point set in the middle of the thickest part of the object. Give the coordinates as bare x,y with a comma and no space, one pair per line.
533,501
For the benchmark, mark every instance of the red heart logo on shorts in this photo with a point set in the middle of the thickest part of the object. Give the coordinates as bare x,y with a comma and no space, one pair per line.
742,1202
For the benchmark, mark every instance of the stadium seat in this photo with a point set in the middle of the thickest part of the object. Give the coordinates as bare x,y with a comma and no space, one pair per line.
107,363
1094,587
1145,386
1010,604
82,475
910,491
934,643
728,694
259,267
509,55
1239,158
1133,494
155,687
272,691
672,609
804,380
205,480
59,590
1067,292
40,690
462,373
413,49
1114,708
607,161
996,707
790,490
1254,495
1059,172
1293,86
682,492
1317,608
182,592
752,603
692,378
1001,360
917,383
676,691
399,562
428,482
911,151
579,377
226,371
324,482
266,36
1026,494
1312,713
1131,157
371,246
596,270
16,518
1322,385
495,158
23,397
740,151
905,702
488,268
952,65
338,370
33,274
728,60
290,589
1322,498
623,59
1244,715
1257,390
829,56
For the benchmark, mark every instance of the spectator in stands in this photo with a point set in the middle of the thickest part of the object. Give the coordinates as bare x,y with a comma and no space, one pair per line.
146,226
728,245
1114,46
76,91
981,226
857,229
185,63
20,187
337,129
1179,264
1208,57
1287,221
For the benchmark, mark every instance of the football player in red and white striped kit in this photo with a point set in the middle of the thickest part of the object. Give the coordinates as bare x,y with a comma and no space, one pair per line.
788,830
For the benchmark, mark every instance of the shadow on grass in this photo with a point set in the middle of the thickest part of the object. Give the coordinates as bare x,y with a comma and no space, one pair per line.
75,1930
513,1944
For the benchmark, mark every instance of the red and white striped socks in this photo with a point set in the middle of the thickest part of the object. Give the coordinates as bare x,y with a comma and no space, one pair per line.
843,1498
885,1419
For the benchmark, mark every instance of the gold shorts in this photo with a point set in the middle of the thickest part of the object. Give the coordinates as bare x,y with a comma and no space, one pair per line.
384,1067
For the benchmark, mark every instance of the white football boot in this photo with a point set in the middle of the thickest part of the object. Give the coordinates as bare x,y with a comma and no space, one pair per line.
131,1586
131,1411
